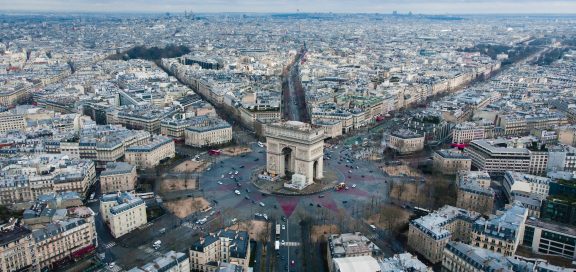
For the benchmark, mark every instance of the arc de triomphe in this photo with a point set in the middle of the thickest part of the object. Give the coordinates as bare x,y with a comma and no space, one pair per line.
294,147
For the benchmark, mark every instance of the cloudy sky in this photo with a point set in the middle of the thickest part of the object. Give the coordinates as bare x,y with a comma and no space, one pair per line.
382,6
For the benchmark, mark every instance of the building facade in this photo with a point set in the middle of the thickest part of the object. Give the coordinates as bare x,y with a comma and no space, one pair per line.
448,161
428,235
208,131
123,212
405,141
17,248
118,177
502,233
11,122
549,239
151,153
225,246
350,245
474,192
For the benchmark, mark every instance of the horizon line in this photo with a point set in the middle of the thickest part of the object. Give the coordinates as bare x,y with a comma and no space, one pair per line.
6,12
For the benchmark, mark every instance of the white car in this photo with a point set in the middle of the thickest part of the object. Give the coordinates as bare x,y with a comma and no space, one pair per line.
353,185
262,204
283,227
236,173
283,243
230,173
222,176
220,182
237,192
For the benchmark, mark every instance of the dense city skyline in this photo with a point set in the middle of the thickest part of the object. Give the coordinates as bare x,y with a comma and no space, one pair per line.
339,6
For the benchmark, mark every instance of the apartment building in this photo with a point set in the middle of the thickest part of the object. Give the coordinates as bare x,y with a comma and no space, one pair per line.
450,161
208,131
171,261
462,257
65,239
351,249
151,153
403,262
547,238
123,212
225,246
10,122
405,141
521,184
118,177
10,97
17,248
517,125
474,192
503,232
500,155
467,132
32,177
428,235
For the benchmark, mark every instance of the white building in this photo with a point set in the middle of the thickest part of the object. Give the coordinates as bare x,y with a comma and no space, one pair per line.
123,212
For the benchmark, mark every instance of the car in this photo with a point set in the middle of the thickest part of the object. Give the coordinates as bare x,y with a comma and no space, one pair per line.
283,242
238,184
222,176
311,204
257,159
320,196
230,173
318,205
349,171
237,192
242,166
283,218
344,201
220,182
247,191
112,264
247,197
236,173
373,227
233,220
353,185
262,204
253,201
283,227
215,201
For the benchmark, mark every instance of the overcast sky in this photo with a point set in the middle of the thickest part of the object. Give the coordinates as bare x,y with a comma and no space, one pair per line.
372,6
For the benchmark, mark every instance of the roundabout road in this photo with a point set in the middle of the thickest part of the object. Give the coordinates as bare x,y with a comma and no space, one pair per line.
369,180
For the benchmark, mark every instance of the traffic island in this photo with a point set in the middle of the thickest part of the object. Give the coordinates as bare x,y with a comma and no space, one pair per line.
276,185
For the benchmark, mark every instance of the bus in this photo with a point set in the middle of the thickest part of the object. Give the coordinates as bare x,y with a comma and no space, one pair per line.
215,152
277,245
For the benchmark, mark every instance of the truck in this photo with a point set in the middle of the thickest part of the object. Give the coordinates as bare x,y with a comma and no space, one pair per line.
277,231
277,245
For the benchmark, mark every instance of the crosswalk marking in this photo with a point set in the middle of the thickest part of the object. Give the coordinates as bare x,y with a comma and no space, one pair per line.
147,225
292,244
109,245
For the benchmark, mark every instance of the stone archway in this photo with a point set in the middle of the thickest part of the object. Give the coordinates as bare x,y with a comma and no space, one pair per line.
294,148
288,161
